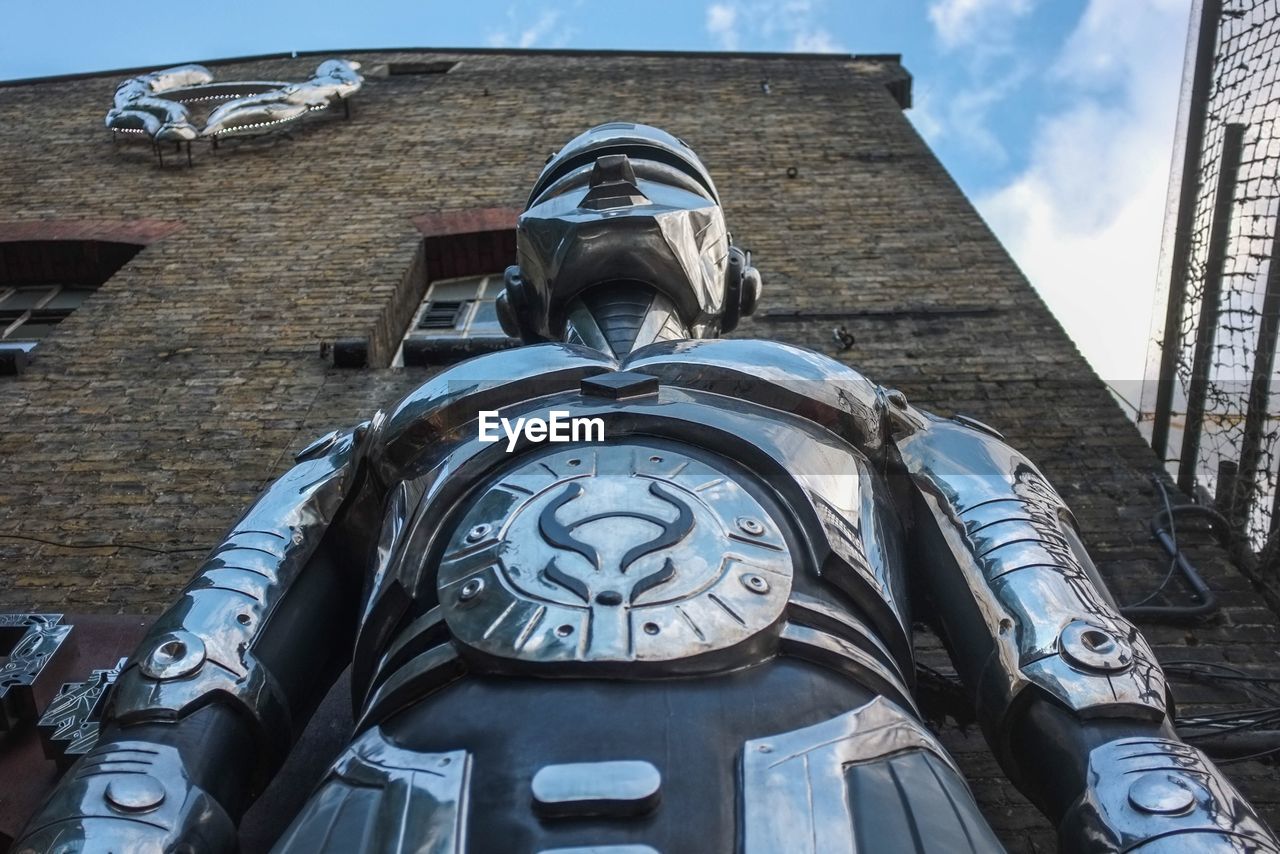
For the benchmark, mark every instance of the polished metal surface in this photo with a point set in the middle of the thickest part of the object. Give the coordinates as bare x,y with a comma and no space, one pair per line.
748,517
1090,647
334,80
645,143
204,648
156,104
133,796
627,552
69,725
135,793
779,376
140,108
1001,526
615,788
844,657
625,203
617,324
427,418
1154,794
382,799
831,618
795,796
852,531
410,682
39,637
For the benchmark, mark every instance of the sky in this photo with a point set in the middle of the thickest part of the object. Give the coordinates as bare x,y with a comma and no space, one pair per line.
1056,117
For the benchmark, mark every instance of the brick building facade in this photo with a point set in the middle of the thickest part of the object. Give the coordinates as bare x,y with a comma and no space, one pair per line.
153,413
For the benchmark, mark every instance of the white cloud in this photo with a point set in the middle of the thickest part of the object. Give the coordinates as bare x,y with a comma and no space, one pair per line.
960,116
1084,218
815,40
721,21
964,22
531,35
789,25
925,113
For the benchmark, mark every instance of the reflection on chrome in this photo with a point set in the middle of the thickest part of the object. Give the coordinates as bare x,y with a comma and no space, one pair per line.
158,105
716,600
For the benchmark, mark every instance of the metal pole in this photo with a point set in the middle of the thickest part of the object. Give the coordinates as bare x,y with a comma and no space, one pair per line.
1258,412
1267,558
1207,328
1195,110
1227,472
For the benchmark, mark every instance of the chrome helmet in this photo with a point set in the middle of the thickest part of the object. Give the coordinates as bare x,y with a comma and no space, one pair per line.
623,242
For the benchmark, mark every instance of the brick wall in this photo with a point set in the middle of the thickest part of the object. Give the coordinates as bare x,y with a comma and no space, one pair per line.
157,411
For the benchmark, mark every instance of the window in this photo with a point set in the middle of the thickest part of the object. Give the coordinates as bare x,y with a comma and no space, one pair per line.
456,319
29,313
43,281
443,309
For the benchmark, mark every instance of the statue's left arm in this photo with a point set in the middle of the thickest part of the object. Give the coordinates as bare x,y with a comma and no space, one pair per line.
1069,694
213,698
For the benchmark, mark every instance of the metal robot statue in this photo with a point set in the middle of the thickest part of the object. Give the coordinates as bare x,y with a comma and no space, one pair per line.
691,635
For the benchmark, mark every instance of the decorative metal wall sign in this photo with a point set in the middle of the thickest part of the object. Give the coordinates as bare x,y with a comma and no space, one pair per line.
35,639
69,726
159,105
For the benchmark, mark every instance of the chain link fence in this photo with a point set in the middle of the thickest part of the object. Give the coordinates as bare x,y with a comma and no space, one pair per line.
1212,410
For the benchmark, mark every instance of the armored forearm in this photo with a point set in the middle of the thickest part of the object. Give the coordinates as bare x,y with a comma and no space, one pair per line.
1070,695
211,701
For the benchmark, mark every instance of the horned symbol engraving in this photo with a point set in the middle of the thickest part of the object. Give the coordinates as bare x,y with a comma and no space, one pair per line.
558,534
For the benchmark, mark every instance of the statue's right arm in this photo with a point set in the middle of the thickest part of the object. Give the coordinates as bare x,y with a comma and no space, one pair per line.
210,703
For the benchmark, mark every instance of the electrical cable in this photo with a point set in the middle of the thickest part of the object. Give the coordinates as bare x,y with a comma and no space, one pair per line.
1164,530
1173,561
110,545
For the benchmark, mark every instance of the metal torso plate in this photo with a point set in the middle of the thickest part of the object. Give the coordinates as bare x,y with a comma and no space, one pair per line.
628,552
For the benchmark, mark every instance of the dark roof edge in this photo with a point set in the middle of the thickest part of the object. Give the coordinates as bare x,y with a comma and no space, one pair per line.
887,58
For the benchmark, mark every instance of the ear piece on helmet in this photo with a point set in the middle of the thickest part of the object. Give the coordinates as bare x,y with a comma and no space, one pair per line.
752,284
742,289
518,307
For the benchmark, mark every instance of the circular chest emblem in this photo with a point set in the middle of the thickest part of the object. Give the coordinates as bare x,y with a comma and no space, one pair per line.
614,553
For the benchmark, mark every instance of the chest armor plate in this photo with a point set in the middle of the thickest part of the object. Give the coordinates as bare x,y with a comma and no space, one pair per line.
623,553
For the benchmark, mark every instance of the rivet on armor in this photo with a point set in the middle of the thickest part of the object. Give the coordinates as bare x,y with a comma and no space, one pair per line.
755,583
1162,793
174,655
471,590
135,793
478,533
1089,647
897,398
750,526
609,597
